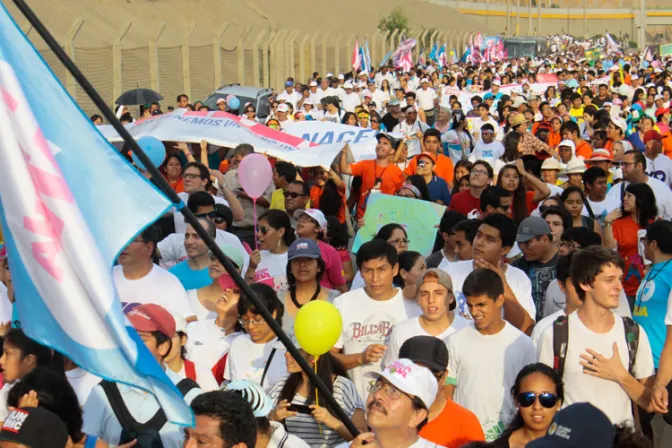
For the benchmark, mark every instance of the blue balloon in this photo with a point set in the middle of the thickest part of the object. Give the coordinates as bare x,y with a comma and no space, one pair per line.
154,149
233,103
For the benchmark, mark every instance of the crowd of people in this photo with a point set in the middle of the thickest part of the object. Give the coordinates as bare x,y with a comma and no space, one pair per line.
541,318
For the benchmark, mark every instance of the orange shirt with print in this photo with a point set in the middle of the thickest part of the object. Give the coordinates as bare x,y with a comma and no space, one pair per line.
453,427
583,149
625,233
316,194
443,168
392,179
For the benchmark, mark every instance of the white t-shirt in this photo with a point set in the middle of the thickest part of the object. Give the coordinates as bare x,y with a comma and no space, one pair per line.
543,324
180,224
602,208
316,97
607,396
207,343
292,98
172,248
410,328
660,190
409,131
247,361
425,98
197,307
478,123
82,382
159,287
334,117
280,438
490,152
350,101
516,278
4,393
204,377
367,321
272,270
483,369
660,168
6,306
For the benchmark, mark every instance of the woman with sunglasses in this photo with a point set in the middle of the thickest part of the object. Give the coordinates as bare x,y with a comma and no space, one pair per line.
538,393
203,300
257,355
250,113
374,119
268,263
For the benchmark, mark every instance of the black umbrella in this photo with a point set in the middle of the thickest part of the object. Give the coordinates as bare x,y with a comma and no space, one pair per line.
138,97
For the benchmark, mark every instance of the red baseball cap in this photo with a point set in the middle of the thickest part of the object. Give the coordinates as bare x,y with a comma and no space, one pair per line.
652,135
151,317
662,110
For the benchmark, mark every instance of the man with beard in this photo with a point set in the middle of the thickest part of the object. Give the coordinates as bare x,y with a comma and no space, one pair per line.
397,406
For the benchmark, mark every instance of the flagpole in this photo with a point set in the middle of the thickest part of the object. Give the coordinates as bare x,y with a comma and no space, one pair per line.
189,217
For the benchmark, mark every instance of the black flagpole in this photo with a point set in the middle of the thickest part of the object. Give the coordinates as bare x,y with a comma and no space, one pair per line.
189,217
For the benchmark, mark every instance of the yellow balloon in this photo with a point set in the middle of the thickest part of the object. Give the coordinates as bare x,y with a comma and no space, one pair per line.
317,327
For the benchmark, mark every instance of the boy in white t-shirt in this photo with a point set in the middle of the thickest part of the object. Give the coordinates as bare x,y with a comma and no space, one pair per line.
485,358
369,314
437,302
597,357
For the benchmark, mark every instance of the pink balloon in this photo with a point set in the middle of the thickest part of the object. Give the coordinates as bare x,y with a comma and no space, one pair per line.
255,175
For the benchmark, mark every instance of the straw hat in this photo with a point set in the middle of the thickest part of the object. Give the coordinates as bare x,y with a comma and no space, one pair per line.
575,166
517,119
551,164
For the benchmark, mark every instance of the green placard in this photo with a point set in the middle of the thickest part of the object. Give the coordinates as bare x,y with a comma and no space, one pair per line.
666,50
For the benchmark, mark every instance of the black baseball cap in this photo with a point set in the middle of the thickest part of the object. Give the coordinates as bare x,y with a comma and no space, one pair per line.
394,142
579,425
426,350
34,427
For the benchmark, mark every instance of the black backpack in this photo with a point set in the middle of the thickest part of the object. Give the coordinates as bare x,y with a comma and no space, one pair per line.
146,433
561,341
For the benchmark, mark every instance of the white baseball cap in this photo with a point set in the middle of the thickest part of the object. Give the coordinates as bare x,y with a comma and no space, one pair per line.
348,85
283,108
314,214
341,76
411,379
496,82
313,84
568,143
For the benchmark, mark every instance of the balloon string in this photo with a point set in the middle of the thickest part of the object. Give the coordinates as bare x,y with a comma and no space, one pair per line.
317,397
254,227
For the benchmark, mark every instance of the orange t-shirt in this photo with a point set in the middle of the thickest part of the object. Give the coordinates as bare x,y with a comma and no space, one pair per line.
177,186
443,168
453,427
625,233
392,179
316,194
554,139
583,149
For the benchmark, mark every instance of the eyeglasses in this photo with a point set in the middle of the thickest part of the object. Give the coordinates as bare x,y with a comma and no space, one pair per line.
190,176
390,391
527,399
399,241
210,215
291,194
375,121
264,230
479,172
244,321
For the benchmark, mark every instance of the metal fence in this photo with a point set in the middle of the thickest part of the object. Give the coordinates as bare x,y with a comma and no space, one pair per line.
264,60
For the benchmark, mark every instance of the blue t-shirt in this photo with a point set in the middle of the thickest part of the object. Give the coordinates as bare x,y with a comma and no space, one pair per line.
189,278
438,190
496,96
651,305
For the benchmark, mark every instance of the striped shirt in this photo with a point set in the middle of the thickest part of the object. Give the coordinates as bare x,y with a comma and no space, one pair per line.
306,428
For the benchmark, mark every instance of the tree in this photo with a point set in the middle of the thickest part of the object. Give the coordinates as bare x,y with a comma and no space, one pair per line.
396,20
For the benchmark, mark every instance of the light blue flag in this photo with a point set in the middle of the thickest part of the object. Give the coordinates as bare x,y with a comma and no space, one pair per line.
69,203
367,53
433,55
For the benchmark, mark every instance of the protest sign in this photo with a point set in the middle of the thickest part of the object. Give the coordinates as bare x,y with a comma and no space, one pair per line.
419,218
666,50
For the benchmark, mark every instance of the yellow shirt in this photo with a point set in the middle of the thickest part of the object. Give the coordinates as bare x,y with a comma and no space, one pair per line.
278,200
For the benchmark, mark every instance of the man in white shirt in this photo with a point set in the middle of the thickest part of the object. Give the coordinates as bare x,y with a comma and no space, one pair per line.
156,328
494,239
369,314
413,130
595,185
634,166
290,95
323,91
351,99
487,148
315,97
427,100
437,302
139,280
196,176
378,96
397,406
658,165
485,357
596,363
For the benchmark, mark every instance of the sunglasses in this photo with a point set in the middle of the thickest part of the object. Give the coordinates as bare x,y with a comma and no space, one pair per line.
375,121
527,399
291,194
264,230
